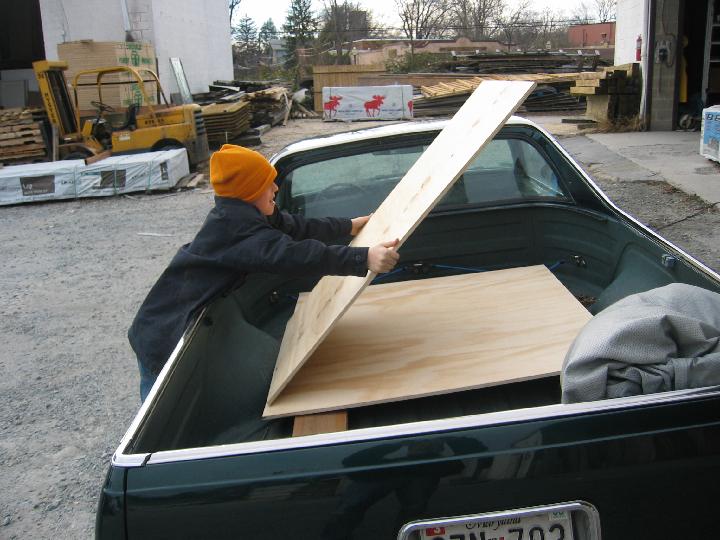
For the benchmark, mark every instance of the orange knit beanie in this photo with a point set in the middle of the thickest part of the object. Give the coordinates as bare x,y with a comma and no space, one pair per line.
240,173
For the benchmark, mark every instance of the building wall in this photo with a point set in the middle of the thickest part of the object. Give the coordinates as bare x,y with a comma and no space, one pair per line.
589,35
664,83
197,32
631,23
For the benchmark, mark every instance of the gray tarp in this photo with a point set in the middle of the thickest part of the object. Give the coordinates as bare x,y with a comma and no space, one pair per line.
663,339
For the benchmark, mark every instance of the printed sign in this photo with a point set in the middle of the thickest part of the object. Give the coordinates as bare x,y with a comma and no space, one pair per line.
392,102
37,185
110,179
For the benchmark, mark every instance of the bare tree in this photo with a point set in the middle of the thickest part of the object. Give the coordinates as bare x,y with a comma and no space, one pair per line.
232,4
473,17
512,21
342,22
484,12
423,19
582,14
605,10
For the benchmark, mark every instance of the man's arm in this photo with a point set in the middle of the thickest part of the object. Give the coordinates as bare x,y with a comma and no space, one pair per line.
262,248
301,228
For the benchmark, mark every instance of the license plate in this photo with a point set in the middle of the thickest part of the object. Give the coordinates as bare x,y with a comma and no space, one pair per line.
544,526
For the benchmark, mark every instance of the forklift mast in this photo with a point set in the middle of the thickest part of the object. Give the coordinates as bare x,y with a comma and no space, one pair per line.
54,91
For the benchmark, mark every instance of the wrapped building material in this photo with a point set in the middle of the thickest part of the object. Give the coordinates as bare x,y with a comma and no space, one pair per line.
392,102
73,179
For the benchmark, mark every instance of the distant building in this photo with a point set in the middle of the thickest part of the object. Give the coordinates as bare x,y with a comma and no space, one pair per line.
378,51
592,35
278,51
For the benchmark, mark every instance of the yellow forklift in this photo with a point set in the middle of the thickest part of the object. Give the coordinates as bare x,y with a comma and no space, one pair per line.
155,128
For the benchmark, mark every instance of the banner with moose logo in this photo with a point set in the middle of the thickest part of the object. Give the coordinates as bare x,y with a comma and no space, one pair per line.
350,103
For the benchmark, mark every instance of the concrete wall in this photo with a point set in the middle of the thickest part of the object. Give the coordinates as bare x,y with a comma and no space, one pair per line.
664,83
198,32
631,22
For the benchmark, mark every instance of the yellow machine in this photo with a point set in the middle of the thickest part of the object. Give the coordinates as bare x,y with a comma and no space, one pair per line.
152,128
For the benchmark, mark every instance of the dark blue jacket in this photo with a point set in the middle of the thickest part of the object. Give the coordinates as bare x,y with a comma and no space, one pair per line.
235,240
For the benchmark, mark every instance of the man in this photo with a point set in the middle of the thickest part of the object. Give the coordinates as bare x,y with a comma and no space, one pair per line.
243,233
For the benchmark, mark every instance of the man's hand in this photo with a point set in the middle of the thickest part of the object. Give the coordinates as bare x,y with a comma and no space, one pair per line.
383,257
358,223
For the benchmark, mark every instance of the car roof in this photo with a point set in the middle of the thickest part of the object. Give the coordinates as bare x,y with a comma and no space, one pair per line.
363,134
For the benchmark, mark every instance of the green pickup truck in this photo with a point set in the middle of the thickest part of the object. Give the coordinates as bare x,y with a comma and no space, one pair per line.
511,462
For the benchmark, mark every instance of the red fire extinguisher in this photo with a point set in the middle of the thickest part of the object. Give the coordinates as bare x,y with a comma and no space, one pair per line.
638,48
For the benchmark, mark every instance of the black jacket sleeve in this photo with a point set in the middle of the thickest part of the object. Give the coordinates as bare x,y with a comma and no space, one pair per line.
259,247
301,228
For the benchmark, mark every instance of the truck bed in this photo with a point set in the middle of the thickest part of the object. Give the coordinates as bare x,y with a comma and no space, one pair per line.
217,389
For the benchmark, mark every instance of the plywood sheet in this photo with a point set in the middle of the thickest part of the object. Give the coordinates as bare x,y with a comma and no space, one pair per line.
435,336
432,175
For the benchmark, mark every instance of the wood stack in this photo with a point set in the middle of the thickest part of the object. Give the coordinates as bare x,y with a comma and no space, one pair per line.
552,94
225,122
269,106
21,136
522,62
612,93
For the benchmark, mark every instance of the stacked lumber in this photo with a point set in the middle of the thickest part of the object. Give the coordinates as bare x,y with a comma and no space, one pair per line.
21,136
552,93
225,122
269,106
612,93
522,62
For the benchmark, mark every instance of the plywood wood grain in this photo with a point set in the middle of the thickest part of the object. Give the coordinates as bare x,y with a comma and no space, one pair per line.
432,175
435,336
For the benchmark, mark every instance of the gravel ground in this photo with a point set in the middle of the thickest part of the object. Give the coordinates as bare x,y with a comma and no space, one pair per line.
73,275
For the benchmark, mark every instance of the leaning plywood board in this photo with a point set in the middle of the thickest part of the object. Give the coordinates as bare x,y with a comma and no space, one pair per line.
432,175
435,336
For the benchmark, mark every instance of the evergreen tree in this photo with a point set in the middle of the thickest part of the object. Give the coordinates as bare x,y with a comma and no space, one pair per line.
300,28
267,32
245,34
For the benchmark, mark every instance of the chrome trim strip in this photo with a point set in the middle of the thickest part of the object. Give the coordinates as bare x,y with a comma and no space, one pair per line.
430,426
120,458
575,506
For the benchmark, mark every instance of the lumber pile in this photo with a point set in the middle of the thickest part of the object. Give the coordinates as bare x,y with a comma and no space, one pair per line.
22,138
225,122
522,62
230,111
269,106
552,93
612,93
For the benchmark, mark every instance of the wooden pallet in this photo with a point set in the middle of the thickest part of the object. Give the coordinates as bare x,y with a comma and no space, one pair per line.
21,136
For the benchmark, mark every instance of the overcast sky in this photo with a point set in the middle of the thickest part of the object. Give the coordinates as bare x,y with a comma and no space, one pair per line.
383,10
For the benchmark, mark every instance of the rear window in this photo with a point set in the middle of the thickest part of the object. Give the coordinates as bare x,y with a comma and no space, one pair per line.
505,170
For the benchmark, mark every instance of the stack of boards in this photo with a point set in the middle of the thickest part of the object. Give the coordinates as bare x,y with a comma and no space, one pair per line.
22,138
612,94
226,121
269,106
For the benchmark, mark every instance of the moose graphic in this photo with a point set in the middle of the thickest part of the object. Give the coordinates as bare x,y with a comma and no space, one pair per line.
330,107
372,107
